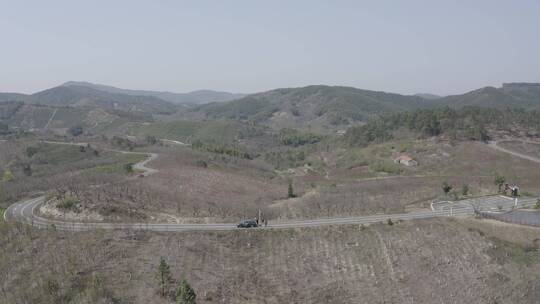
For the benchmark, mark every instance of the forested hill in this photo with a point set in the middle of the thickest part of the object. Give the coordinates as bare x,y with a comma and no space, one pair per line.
467,123
194,97
331,107
314,106
510,95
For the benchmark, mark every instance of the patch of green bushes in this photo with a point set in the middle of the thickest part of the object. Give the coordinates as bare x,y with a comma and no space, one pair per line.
293,137
385,167
234,151
68,203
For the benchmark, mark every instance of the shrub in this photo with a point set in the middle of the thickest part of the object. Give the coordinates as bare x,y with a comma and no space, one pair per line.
151,140
290,191
386,167
31,151
8,176
69,203
128,168
185,294
446,187
465,190
499,181
27,169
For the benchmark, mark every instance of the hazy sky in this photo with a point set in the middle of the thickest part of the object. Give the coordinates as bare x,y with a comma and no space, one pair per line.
407,46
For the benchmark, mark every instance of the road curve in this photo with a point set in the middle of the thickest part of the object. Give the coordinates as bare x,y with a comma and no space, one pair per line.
25,212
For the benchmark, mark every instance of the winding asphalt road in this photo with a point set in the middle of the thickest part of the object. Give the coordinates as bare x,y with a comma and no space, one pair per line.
25,212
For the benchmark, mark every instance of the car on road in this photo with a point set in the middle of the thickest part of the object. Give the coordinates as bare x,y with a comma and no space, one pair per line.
247,224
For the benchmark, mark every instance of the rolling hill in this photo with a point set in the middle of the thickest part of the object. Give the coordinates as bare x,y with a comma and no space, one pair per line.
195,97
317,107
428,96
96,120
12,97
510,95
78,96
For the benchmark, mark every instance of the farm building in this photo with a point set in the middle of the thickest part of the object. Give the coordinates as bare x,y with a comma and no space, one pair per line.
405,160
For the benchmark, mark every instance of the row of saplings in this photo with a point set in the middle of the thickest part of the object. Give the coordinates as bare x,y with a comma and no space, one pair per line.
183,294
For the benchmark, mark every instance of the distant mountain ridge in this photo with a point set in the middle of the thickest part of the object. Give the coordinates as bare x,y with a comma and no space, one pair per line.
428,96
12,97
195,97
510,95
78,96
317,106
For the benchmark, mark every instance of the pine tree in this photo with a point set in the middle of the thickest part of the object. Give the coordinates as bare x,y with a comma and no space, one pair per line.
465,190
290,190
499,181
185,294
446,187
163,276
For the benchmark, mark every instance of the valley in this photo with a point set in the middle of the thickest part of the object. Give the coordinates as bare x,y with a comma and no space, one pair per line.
355,206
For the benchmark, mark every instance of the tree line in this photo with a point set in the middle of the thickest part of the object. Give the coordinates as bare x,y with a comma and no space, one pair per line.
468,123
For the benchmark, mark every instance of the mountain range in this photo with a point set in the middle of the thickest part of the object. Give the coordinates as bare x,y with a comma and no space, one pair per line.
195,97
316,107
510,95
313,106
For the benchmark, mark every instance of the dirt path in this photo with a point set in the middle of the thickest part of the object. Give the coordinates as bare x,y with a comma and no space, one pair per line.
50,119
493,144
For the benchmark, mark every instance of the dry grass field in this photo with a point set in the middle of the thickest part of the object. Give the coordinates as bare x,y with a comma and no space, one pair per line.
196,186
527,148
28,166
426,261
356,189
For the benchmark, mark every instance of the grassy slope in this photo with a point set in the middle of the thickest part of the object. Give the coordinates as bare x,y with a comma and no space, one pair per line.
119,165
422,261
319,107
52,164
219,131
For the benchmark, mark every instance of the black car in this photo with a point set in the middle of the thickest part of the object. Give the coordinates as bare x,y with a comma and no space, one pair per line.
247,224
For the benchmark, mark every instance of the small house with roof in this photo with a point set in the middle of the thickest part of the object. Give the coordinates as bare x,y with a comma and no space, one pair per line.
405,160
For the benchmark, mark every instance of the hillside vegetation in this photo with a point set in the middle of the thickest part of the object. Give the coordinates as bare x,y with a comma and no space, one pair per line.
313,106
317,108
468,123
195,97
510,95
426,261
37,117
85,96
